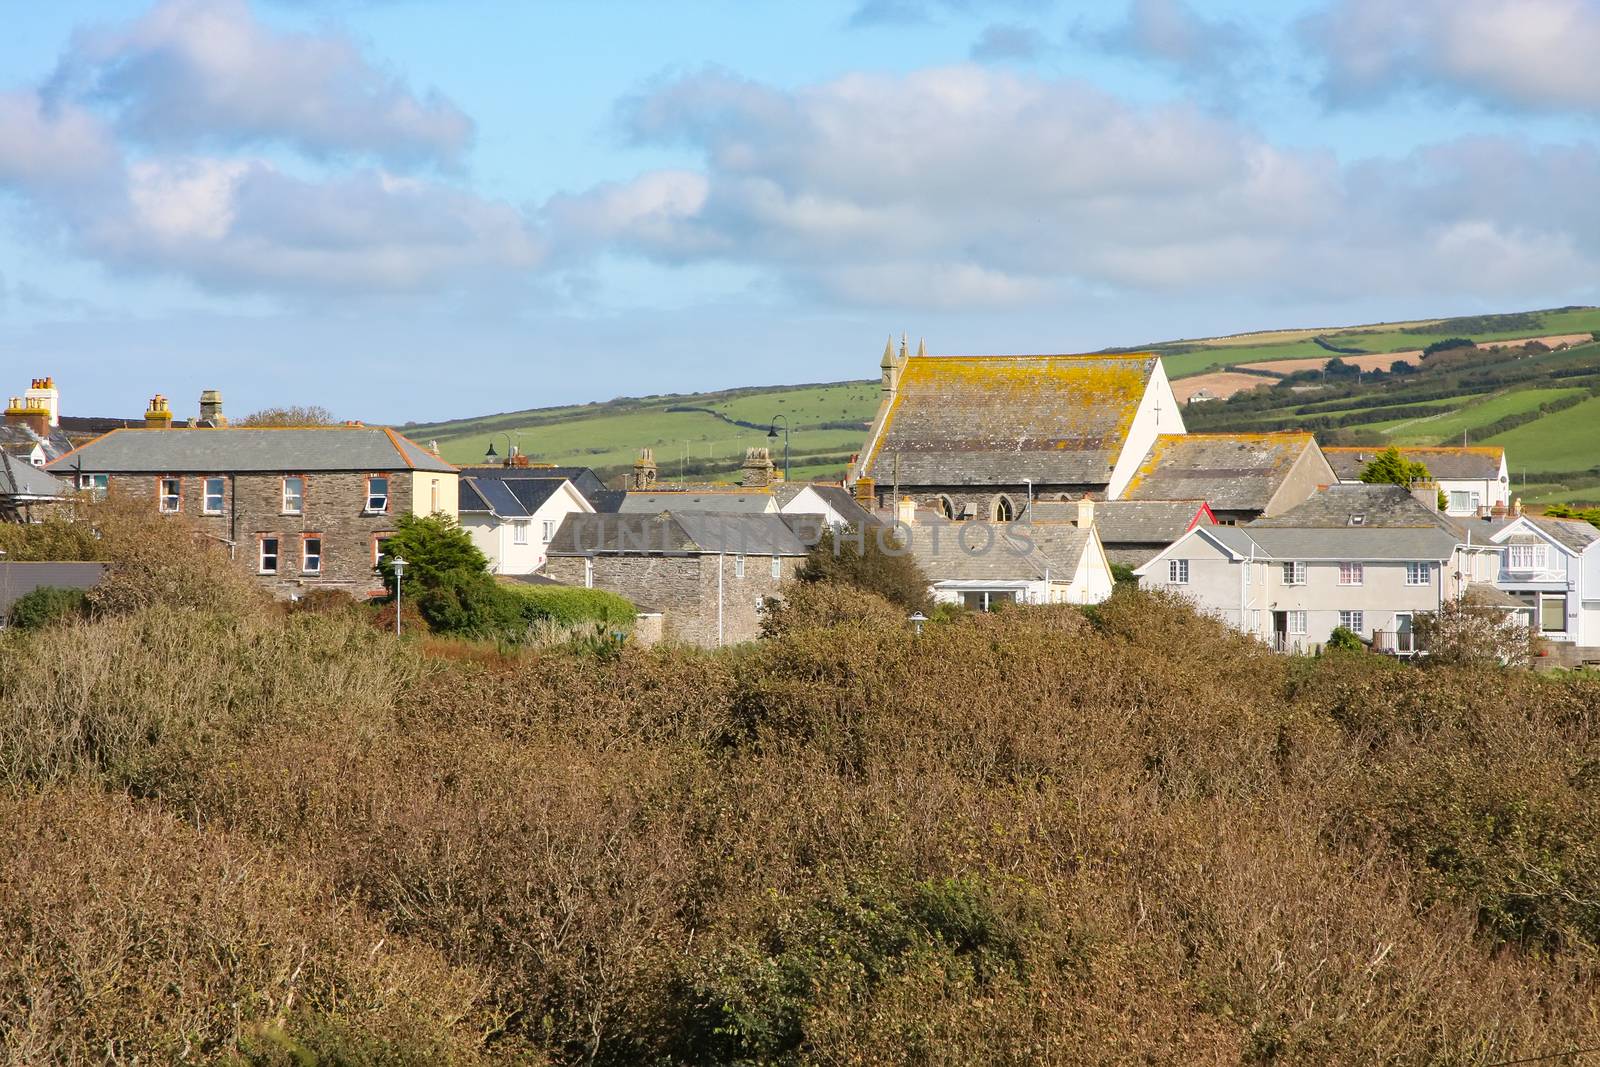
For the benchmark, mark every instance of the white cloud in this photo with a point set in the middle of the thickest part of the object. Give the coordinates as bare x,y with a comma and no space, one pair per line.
1172,32
208,72
971,187
1533,54
45,146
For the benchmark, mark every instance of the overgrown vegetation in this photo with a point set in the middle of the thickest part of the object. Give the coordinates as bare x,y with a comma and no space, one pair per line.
869,559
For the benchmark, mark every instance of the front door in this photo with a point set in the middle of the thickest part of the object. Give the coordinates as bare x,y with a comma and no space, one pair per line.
1280,630
1404,643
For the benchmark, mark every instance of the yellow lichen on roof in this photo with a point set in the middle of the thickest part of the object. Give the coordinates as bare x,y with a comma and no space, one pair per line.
1294,442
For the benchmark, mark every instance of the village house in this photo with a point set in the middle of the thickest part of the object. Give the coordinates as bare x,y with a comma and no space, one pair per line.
301,508
512,520
1552,567
1241,476
759,491
1474,478
976,437
1367,558
707,574
1131,531
31,430
26,491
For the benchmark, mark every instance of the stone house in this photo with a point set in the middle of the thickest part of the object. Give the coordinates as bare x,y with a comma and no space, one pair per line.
974,437
1474,478
707,574
300,508
1241,476
1368,558
513,520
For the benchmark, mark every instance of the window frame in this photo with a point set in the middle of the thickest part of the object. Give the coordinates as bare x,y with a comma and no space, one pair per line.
98,485
1296,623
775,570
738,565
1175,568
306,553
205,495
1354,620
1553,598
519,531
161,494
1416,567
388,495
1295,572
1352,573
283,494
1539,558
261,553
547,530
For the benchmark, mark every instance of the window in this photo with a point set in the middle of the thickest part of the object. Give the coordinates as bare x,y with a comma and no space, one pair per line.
1294,574
947,507
215,492
1178,571
377,493
1525,558
95,483
519,533
738,566
777,567
1553,613
294,495
1297,622
1004,510
1351,574
1461,501
311,554
1418,574
379,541
1358,520
548,531
588,572
171,491
1354,621
269,554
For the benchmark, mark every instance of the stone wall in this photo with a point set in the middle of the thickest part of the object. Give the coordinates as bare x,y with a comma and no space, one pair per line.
334,508
684,589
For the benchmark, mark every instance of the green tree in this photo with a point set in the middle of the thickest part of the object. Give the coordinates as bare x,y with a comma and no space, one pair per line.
434,547
1389,467
47,605
869,559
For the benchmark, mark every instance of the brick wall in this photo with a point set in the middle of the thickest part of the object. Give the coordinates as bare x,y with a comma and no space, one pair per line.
334,507
685,589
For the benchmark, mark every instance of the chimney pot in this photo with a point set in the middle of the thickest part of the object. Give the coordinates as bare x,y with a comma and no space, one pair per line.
905,511
1085,511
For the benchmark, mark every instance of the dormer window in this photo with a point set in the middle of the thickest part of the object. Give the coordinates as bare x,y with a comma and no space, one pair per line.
1358,520
1525,558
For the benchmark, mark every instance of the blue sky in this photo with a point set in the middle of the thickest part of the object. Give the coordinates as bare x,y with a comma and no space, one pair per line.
410,210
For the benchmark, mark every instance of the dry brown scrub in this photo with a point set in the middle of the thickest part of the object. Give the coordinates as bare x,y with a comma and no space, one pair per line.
1033,837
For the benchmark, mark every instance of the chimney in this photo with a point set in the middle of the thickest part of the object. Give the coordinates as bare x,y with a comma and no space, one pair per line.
866,492
1085,512
158,416
757,468
211,409
42,393
1426,494
29,412
644,470
905,511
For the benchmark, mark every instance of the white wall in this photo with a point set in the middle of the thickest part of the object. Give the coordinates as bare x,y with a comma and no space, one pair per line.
496,537
1159,413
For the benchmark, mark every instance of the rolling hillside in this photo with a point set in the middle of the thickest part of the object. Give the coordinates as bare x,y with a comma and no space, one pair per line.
1542,405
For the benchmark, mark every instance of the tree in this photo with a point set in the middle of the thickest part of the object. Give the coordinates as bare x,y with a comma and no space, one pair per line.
869,559
1448,344
1472,632
1389,467
292,415
435,548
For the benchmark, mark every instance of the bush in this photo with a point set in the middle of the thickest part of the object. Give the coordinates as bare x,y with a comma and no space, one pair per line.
1468,632
810,605
47,606
1345,639
571,606
433,547
869,559
1448,344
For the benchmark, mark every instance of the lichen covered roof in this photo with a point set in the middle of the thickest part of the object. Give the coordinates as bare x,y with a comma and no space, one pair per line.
1230,471
1452,463
1000,420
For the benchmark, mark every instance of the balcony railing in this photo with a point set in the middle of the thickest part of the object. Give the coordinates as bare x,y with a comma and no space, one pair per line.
1396,642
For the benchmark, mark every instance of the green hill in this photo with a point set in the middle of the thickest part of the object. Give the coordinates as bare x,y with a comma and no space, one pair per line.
1536,403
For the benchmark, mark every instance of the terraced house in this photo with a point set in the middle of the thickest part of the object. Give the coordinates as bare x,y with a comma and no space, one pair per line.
300,508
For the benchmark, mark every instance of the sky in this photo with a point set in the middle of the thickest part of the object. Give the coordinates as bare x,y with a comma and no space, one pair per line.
413,210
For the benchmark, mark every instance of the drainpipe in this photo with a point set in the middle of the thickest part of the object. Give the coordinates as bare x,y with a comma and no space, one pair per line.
721,560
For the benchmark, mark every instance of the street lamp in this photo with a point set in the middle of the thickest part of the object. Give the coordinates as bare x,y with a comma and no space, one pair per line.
491,457
772,435
399,566
917,620
1029,511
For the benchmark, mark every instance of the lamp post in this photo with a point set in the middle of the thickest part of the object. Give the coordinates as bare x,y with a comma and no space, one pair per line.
1029,511
491,457
917,620
772,435
399,566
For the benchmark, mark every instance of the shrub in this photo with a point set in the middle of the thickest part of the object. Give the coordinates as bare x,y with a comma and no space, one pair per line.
1345,639
809,605
571,606
48,605
1448,344
1469,632
869,559
433,547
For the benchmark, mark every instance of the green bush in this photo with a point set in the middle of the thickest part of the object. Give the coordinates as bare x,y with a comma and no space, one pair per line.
48,605
1345,639
868,560
571,606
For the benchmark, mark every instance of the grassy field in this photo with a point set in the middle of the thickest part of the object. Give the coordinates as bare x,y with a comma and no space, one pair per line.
1561,441
702,436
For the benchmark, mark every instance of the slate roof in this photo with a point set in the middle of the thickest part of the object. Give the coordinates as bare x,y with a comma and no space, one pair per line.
1574,534
837,497
1001,419
1128,521
236,449
721,502
583,479
1062,545
1386,506
1354,543
19,440
939,550
19,478
1472,463
19,579
679,533
1231,471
